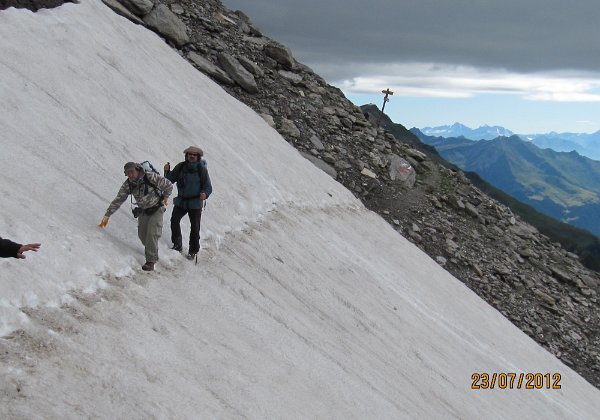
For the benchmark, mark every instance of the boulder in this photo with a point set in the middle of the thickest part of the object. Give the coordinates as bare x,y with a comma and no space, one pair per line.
546,298
177,9
166,23
401,171
291,76
456,202
238,72
269,120
281,54
527,253
328,169
472,210
121,10
342,165
209,68
441,260
562,276
251,66
317,142
328,157
138,7
249,29
419,156
288,127
369,173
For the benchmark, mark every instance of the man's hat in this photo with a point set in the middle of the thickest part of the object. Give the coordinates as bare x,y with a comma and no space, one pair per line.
194,149
129,166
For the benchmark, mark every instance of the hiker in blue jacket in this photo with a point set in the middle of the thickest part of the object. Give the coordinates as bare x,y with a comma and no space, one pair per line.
193,187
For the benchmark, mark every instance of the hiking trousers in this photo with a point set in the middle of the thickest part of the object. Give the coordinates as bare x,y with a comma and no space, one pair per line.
149,231
195,215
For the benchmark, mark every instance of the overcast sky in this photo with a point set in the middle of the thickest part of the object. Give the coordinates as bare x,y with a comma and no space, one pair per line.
530,65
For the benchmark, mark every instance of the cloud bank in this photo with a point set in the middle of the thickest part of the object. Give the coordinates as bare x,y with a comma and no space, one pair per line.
540,49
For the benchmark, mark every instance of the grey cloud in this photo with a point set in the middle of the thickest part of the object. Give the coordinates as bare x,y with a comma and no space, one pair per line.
516,35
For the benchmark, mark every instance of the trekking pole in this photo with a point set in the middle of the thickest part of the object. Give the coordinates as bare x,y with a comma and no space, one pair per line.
203,207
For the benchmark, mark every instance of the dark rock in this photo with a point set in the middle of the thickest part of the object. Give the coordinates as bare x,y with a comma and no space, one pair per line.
166,23
288,127
561,276
321,165
177,9
138,7
121,10
291,76
251,66
210,69
281,54
237,72
316,141
470,208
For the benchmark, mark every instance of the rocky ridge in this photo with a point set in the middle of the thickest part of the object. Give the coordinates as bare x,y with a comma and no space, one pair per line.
540,287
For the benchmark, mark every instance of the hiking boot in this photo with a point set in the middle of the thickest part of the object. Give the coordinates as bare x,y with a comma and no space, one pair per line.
177,247
149,266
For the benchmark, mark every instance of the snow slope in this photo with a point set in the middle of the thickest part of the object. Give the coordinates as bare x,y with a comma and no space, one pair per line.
304,305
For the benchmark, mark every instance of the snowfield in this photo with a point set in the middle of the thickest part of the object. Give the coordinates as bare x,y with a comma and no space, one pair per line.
303,305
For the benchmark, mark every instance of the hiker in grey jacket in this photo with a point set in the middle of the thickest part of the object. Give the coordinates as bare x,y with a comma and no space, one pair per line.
12,249
193,187
151,192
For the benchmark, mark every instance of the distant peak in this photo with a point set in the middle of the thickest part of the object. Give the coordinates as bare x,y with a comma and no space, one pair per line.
484,132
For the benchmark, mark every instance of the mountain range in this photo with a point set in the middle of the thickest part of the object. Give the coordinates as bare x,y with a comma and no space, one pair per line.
563,185
583,143
484,132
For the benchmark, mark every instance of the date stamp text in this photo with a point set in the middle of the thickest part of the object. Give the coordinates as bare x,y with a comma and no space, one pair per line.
515,380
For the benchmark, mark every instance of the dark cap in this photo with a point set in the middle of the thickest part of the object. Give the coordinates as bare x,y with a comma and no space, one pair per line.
129,166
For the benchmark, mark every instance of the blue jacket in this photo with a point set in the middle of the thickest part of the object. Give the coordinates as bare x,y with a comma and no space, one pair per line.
192,179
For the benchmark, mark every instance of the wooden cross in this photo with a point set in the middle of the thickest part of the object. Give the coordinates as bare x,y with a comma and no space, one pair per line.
386,99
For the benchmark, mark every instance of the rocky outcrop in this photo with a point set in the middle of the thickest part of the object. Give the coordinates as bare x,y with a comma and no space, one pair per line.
540,287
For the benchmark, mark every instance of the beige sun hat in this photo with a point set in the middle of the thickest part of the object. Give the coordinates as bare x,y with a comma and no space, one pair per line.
194,149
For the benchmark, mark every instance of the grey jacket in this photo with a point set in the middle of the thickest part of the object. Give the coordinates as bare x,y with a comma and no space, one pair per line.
144,194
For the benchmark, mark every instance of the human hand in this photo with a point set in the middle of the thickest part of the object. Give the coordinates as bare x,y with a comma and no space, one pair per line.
166,201
202,196
104,222
167,167
28,247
